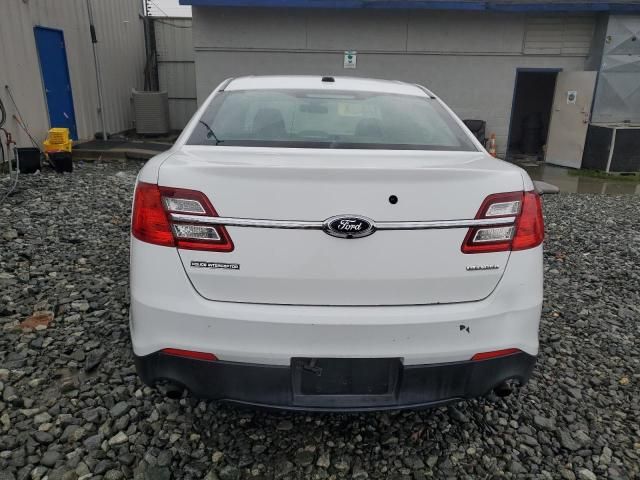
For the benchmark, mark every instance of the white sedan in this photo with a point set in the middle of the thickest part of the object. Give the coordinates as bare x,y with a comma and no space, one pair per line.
328,243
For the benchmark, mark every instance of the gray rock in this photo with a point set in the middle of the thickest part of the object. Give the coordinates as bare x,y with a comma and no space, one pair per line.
41,418
118,439
229,473
119,409
359,473
94,357
457,415
543,422
586,474
567,474
582,438
10,234
164,458
324,460
414,462
103,466
93,442
157,473
217,456
80,305
114,475
285,426
304,458
50,458
567,441
44,438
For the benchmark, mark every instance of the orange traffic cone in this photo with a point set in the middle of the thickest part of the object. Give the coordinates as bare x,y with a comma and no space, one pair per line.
491,148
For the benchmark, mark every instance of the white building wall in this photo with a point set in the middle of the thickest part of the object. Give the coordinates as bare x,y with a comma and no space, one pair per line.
467,58
121,47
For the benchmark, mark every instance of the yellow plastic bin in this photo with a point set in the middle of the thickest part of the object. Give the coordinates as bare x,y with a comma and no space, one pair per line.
58,141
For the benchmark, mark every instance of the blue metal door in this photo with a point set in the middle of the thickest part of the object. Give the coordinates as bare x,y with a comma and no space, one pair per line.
55,77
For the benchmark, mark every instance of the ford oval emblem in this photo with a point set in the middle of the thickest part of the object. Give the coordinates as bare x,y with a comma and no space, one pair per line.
349,226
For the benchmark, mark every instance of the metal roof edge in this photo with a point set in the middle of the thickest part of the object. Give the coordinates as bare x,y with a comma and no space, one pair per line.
532,6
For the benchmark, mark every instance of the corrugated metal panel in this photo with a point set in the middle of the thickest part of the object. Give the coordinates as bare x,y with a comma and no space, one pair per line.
179,79
558,35
181,111
176,67
121,46
618,96
174,40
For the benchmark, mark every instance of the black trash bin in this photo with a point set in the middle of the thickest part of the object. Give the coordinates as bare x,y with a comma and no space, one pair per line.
29,159
61,161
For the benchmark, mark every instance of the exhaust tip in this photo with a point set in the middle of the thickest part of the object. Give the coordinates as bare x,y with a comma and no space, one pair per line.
503,390
172,390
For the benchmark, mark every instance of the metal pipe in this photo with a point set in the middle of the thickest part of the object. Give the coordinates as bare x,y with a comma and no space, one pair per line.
96,62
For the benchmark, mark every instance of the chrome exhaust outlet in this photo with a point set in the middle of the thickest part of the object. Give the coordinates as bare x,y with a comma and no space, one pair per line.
172,390
503,390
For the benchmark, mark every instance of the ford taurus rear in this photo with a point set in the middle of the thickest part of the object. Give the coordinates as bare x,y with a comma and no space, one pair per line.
342,244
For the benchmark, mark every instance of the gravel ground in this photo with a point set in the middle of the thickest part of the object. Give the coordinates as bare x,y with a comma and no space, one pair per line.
72,407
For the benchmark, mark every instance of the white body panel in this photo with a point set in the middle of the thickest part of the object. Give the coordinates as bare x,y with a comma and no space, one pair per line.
166,312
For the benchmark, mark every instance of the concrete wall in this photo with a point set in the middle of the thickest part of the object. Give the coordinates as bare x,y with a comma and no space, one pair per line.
121,47
467,58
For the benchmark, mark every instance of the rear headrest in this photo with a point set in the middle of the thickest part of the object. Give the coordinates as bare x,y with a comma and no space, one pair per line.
369,127
269,123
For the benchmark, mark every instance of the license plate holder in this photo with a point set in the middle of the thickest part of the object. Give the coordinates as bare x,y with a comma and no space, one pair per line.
344,381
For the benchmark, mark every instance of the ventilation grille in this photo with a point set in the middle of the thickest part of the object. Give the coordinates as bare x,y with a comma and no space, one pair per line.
558,35
152,112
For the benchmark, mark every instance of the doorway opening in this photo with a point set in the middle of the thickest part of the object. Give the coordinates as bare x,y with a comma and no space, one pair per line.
531,113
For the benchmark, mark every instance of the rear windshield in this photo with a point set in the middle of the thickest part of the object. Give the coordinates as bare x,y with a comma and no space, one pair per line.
321,119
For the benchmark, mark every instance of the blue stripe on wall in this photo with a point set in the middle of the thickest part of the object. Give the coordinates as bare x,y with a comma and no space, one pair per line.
434,5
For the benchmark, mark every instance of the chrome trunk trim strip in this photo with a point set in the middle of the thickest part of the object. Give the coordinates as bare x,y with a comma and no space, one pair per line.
308,225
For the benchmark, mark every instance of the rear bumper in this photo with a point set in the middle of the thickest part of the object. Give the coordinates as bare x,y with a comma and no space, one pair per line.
273,385
166,312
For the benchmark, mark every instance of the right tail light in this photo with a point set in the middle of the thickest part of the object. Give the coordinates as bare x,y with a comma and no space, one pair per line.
527,231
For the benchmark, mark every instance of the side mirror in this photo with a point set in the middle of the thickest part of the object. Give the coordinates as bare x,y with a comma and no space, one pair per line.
544,188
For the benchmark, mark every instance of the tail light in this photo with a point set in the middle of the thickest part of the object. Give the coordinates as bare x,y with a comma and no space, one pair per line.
495,354
527,231
176,352
150,221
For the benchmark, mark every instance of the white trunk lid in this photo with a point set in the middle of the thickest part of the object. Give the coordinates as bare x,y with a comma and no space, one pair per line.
309,267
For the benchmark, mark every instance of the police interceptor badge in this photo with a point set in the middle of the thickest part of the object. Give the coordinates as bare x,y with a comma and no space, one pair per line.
215,265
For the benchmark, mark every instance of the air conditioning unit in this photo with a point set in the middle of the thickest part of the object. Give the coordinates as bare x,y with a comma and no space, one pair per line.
152,112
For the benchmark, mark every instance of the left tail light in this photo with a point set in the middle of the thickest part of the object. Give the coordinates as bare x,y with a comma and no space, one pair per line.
150,221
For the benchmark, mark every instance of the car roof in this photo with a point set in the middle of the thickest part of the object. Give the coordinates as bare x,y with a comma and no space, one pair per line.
314,82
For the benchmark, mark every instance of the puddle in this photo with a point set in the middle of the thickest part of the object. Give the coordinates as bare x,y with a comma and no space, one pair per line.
560,177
